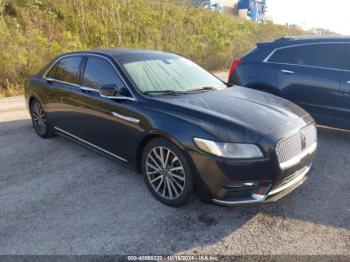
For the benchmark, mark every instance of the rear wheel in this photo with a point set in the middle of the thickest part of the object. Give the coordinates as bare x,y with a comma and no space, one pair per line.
39,119
166,172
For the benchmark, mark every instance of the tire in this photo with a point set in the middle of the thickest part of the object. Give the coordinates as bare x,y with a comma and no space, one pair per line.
39,120
171,183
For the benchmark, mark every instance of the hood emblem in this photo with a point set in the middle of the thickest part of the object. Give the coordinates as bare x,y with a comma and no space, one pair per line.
302,141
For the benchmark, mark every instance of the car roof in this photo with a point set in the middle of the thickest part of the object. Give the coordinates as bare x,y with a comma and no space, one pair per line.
119,52
313,38
299,40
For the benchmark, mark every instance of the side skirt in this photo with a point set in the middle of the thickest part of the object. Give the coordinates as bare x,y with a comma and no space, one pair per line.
93,147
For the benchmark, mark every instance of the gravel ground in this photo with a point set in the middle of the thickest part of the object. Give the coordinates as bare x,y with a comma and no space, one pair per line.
59,198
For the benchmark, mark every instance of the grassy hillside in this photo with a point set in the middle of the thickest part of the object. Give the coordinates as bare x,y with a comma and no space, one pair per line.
34,31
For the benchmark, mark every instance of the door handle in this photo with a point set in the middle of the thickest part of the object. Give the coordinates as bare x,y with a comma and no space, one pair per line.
288,72
126,118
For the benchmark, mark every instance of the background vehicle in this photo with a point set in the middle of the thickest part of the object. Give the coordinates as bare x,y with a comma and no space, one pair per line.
174,122
313,72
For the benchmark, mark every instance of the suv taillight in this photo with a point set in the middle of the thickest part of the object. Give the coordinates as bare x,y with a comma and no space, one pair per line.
234,66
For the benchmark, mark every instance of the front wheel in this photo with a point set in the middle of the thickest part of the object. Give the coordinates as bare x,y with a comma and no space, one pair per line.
167,173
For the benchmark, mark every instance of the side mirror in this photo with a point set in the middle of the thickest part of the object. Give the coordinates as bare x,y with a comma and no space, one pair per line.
109,91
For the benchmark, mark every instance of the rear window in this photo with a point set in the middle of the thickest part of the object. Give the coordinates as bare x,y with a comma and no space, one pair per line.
317,55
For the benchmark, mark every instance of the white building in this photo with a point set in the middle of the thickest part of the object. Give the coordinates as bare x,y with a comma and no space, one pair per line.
229,6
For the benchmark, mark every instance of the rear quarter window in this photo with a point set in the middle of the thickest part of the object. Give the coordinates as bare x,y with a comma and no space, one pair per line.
283,55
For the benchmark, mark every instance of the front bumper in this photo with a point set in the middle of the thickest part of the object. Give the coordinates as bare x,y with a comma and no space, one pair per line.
271,194
230,182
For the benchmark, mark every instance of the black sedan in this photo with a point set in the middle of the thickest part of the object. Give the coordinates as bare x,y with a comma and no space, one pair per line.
181,127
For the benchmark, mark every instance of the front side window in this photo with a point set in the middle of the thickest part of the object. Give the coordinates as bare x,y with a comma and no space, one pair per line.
67,70
160,73
99,72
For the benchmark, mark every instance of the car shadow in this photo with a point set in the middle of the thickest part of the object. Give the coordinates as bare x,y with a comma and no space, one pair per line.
57,197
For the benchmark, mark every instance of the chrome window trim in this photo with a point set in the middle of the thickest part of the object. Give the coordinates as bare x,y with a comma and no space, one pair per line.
60,81
89,89
119,97
90,144
133,98
266,60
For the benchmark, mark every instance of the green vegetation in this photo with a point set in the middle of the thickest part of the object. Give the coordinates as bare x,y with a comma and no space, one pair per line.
34,31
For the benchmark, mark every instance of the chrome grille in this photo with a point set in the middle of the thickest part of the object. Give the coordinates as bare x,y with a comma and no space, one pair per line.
295,145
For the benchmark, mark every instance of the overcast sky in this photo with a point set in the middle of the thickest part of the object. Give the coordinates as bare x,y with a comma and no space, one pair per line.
333,15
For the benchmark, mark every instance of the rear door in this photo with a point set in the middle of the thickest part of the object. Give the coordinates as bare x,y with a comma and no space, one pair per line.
62,82
309,75
343,117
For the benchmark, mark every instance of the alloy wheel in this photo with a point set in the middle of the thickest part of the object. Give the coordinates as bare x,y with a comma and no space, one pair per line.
39,118
165,173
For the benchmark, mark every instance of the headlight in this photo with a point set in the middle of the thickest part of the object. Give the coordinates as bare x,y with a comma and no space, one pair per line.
229,150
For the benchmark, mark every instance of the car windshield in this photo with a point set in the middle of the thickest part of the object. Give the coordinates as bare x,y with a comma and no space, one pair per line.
170,75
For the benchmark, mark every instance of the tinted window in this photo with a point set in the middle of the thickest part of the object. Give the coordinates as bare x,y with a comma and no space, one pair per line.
320,55
284,55
52,72
346,59
67,69
99,72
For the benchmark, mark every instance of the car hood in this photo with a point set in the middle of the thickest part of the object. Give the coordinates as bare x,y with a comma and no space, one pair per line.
239,114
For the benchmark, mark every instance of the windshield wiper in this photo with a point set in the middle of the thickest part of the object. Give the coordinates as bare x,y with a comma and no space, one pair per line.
161,92
173,92
204,88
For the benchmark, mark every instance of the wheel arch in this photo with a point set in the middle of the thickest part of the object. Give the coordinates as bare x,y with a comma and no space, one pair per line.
149,137
33,97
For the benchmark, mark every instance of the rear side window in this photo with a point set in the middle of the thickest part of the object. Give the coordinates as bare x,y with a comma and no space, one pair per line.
99,72
67,70
319,55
